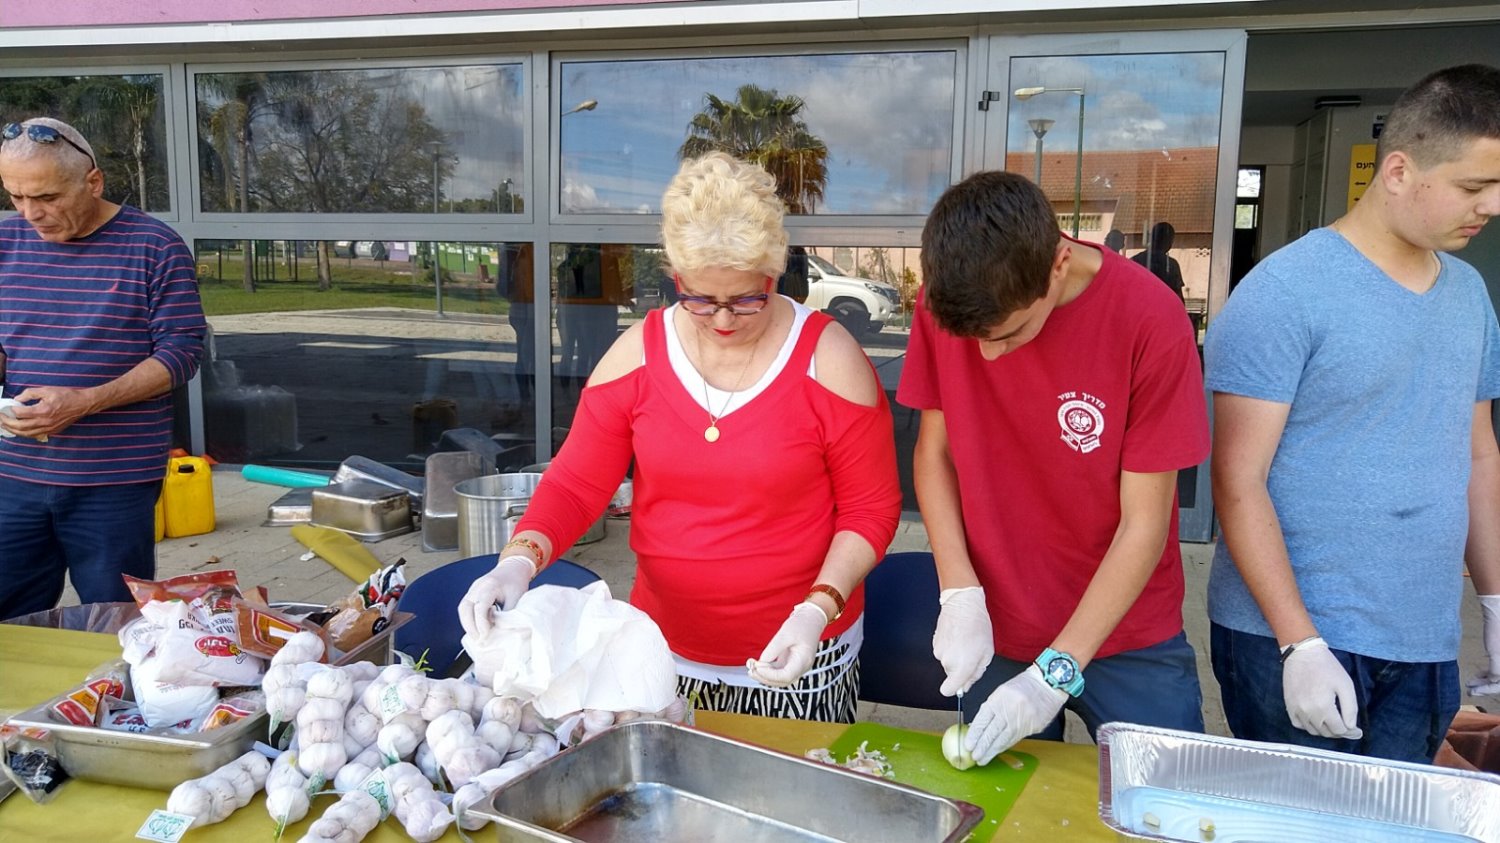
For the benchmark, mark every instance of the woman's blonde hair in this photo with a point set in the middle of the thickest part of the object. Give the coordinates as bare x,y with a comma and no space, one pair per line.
720,211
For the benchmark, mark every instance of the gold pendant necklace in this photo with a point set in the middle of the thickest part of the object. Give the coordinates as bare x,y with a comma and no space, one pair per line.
711,434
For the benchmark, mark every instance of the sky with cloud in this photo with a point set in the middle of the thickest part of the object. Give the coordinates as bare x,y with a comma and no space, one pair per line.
1145,101
886,119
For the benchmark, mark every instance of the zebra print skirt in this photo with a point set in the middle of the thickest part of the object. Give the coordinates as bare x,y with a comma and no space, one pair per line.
820,694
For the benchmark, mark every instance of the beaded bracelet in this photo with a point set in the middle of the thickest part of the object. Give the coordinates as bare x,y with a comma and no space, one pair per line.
534,547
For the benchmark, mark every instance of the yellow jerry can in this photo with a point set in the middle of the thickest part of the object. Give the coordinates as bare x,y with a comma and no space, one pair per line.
188,497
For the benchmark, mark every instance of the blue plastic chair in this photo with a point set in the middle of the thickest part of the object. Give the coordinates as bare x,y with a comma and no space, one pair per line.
433,598
896,665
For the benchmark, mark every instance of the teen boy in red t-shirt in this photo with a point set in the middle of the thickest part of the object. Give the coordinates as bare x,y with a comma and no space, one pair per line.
1060,391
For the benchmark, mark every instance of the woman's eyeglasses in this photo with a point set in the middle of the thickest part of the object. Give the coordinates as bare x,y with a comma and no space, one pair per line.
42,133
742,306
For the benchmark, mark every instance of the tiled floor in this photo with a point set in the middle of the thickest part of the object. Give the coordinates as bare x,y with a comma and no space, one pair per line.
269,556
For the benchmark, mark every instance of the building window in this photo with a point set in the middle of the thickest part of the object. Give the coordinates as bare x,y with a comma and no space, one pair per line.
122,117
1247,197
440,140
372,347
853,133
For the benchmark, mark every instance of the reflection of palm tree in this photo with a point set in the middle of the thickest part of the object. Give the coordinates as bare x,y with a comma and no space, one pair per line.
761,127
130,101
243,95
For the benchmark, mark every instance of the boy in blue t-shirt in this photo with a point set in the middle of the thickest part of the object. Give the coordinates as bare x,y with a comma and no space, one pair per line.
1353,373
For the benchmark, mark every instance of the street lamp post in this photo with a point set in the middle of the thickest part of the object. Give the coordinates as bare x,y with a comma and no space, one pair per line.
437,270
1039,127
1151,215
437,148
1024,94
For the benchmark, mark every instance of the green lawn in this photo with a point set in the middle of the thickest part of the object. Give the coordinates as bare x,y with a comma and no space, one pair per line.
356,284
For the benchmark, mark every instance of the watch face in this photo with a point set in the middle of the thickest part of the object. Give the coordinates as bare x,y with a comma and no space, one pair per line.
1060,671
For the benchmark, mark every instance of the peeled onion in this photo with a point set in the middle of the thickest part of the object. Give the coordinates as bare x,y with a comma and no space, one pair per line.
953,747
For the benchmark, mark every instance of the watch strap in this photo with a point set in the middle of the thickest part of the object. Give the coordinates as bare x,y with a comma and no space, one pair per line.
1073,688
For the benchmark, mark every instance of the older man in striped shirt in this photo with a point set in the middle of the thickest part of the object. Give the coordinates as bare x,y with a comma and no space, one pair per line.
99,320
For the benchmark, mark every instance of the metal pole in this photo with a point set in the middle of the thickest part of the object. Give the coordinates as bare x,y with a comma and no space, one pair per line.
434,181
1078,171
437,277
1038,178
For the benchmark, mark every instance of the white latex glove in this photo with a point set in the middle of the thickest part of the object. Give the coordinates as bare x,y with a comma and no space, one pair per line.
1489,683
504,585
1019,708
792,648
964,641
1318,692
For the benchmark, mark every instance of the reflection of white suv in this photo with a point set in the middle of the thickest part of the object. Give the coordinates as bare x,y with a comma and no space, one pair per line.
859,304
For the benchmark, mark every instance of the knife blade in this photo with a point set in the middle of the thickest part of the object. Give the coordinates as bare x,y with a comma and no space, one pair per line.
960,709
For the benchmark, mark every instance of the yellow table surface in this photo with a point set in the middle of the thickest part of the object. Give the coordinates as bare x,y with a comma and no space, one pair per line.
1059,803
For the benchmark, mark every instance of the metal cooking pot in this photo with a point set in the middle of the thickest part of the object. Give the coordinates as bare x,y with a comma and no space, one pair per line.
595,532
489,508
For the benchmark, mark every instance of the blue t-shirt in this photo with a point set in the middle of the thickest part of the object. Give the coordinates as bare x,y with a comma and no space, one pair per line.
1370,478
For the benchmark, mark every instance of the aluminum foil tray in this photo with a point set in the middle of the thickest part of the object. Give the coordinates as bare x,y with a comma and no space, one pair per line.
660,782
1163,784
157,761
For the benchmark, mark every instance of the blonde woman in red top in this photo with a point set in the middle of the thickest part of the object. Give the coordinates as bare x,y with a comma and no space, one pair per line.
765,484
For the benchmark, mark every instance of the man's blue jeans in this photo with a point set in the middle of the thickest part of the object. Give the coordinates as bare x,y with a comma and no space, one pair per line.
1404,707
91,534
1152,686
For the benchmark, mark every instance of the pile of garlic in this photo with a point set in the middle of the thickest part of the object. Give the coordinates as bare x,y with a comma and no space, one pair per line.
564,666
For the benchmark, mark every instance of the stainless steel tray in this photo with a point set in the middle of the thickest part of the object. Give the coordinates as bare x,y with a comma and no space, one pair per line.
364,468
379,648
1162,784
365,509
153,761
663,783
445,470
294,507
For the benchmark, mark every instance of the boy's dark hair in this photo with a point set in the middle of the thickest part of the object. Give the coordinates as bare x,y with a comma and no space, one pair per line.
1435,119
987,251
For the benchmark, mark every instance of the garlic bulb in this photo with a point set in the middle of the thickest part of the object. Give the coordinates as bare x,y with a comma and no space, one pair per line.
347,821
305,646
212,798
287,799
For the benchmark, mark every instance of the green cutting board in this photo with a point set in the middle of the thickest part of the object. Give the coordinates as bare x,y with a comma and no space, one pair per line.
917,759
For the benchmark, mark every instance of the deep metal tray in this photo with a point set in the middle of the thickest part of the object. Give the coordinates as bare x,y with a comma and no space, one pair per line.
365,509
364,468
663,783
294,507
446,469
130,759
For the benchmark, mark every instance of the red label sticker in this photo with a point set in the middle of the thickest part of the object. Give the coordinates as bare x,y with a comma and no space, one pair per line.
217,645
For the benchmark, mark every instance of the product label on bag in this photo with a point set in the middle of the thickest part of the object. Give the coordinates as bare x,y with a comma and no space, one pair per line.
164,826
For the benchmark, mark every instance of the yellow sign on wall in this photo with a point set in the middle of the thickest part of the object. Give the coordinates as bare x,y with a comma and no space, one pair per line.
1361,170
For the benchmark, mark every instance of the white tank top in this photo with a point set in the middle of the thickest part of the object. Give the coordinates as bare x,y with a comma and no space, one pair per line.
704,393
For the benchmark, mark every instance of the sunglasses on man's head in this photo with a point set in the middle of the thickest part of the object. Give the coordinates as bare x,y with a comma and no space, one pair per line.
42,133
703,306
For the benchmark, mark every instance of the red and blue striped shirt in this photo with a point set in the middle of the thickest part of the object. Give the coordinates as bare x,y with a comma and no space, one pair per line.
83,313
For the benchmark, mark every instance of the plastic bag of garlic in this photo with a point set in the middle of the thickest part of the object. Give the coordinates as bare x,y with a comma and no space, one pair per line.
574,649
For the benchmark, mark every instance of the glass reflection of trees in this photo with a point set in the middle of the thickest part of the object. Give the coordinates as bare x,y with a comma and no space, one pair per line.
845,133
761,126
122,117
319,141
